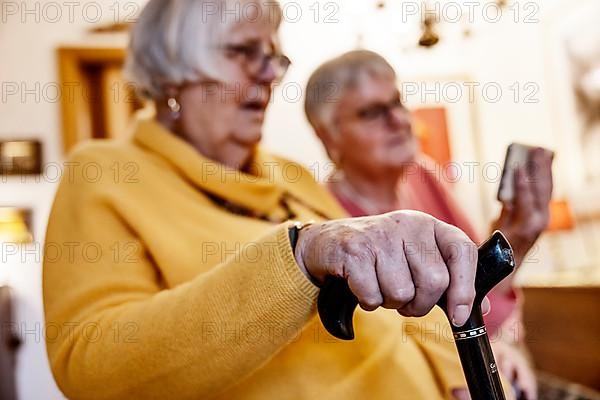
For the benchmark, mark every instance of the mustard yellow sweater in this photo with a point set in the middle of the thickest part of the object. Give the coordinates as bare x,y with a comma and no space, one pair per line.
154,291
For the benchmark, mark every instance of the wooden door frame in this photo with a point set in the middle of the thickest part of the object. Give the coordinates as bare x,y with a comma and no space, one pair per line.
71,60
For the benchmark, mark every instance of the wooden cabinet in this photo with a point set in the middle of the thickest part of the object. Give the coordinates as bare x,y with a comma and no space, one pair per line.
563,332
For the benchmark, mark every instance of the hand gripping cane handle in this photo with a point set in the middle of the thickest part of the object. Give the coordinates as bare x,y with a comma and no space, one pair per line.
336,305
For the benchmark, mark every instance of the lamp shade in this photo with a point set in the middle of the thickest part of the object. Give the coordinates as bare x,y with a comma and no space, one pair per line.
14,225
561,216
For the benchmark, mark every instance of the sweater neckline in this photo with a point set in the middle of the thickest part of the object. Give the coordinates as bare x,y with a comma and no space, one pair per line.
261,191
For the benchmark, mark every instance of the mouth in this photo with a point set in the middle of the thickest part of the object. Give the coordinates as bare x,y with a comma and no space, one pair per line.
255,106
249,141
401,137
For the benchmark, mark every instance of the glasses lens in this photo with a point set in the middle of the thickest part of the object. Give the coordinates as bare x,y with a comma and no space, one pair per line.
279,64
282,64
256,60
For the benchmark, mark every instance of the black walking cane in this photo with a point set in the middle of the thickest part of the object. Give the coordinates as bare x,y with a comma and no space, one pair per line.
336,305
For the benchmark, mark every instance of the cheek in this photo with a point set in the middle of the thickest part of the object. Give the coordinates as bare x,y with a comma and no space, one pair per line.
363,147
359,139
225,104
219,112
219,99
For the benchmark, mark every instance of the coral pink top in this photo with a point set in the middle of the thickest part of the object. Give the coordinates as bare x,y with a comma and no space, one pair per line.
423,191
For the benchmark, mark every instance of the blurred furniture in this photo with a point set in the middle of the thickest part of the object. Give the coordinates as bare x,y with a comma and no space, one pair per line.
8,346
562,325
553,388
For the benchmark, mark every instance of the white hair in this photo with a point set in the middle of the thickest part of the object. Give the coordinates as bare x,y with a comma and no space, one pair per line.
327,83
174,41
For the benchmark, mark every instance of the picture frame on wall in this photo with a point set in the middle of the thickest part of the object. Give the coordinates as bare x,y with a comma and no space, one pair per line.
20,157
446,124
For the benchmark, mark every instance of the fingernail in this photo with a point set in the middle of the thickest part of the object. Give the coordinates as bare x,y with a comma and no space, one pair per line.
461,313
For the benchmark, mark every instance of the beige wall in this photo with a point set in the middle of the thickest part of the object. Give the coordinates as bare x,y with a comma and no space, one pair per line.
503,52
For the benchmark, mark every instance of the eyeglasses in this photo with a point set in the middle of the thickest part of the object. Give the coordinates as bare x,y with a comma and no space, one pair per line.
381,111
255,60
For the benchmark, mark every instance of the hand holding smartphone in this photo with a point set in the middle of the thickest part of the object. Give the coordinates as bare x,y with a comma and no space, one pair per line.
517,156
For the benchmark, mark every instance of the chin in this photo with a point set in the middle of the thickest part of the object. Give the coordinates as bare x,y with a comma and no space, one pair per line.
400,158
236,157
246,155
410,153
411,158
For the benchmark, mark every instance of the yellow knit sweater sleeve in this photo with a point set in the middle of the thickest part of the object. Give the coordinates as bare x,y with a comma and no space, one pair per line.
115,331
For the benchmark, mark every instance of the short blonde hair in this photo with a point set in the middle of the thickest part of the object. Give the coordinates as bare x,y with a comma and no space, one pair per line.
327,83
174,40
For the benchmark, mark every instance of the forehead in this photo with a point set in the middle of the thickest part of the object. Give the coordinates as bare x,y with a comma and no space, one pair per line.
369,87
252,20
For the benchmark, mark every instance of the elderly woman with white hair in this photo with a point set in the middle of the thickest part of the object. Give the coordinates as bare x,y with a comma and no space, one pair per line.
179,278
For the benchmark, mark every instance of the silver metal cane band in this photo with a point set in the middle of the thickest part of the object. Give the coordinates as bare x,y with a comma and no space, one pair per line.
471,333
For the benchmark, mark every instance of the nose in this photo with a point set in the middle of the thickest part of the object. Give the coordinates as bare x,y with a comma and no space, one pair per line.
399,117
268,74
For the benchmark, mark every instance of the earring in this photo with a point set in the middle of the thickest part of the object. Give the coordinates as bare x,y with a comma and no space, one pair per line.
175,107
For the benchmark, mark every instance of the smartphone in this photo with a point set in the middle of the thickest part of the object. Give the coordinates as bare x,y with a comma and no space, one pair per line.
517,155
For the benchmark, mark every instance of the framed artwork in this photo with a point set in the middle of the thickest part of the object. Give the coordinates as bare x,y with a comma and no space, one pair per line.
448,132
431,128
19,157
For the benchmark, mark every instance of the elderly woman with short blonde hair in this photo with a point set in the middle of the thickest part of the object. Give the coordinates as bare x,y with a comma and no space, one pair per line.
389,173
182,280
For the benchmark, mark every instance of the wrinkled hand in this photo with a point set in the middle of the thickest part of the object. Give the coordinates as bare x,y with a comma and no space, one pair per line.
403,260
516,368
461,394
524,219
